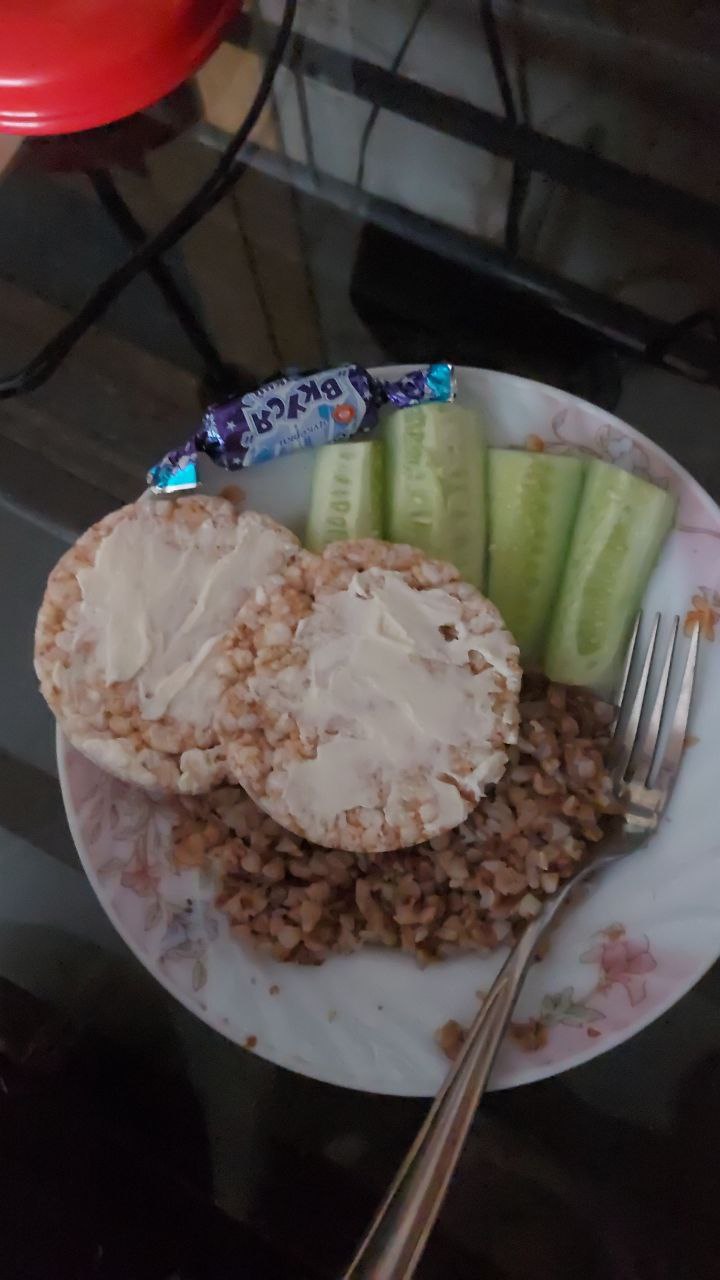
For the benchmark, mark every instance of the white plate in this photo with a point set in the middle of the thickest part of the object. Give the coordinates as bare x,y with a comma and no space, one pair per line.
643,935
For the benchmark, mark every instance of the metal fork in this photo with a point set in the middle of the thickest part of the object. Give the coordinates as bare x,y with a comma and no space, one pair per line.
644,773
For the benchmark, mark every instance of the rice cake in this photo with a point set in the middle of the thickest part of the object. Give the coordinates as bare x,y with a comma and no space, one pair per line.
380,700
129,637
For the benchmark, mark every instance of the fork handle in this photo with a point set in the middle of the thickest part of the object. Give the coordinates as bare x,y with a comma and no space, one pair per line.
398,1234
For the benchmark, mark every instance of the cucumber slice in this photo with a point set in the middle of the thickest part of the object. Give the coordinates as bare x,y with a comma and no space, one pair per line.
347,488
532,502
621,526
436,484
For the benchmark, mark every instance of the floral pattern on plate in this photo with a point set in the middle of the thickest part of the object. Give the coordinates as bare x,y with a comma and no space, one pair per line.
620,960
608,443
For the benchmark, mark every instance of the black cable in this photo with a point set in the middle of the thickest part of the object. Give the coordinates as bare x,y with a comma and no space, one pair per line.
257,280
521,67
656,349
393,68
519,187
226,172
520,175
220,377
295,67
492,35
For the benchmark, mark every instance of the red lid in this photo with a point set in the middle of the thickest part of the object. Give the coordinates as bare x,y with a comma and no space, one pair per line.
73,64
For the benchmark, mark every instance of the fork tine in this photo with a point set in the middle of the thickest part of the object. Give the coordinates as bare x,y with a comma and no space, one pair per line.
670,763
627,665
644,760
625,737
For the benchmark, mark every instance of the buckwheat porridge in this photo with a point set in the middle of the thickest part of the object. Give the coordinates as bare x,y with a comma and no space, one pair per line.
468,889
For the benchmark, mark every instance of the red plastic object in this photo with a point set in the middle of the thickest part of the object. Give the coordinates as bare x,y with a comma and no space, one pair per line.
67,65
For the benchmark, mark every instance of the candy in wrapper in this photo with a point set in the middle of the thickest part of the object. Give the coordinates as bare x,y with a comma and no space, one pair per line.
295,413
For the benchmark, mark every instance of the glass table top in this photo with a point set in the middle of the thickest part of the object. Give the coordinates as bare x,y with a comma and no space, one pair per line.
409,196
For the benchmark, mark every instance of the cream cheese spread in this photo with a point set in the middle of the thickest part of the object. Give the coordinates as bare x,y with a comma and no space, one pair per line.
154,611
387,690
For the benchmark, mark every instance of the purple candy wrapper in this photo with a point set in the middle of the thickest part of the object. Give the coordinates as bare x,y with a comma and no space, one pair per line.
296,413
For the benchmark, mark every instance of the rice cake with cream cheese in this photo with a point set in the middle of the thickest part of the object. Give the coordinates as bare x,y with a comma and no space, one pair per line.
129,636
379,702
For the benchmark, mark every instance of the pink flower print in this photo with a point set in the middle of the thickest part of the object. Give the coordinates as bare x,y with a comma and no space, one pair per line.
623,961
616,447
189,928
141,878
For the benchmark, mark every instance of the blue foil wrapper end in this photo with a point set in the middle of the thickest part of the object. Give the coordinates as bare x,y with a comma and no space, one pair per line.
170,478
296,413
441,382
